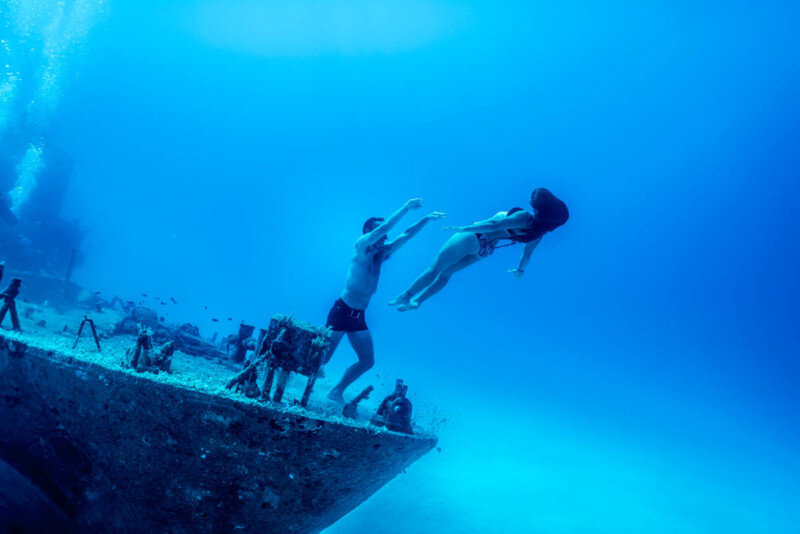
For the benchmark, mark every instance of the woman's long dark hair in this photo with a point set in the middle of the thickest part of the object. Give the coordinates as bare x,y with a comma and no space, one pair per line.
549,212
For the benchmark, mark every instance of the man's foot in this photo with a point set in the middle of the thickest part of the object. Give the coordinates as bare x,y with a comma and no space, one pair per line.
336,396
413,304
401,299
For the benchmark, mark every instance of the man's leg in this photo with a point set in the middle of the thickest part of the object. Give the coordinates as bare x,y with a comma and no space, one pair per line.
336,337
362,345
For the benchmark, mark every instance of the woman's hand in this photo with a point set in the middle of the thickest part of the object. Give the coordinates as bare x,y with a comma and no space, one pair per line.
436,215
454,228
518,273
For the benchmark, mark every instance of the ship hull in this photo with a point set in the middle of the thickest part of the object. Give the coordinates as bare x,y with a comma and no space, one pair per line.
121,452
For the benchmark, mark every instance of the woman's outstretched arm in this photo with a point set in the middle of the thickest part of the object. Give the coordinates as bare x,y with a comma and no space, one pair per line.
411,231
526,258
519,219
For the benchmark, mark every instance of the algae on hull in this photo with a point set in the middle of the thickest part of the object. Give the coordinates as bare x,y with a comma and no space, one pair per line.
122,452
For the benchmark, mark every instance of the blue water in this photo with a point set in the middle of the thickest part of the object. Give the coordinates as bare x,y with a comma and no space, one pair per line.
641,378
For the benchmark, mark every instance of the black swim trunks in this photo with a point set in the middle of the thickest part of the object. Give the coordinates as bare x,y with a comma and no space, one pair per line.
346,319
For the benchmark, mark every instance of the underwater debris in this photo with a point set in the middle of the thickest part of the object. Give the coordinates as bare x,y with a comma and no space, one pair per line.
142,359
163,360
141,351
394,412
288,346
246,382
124,305
241,342
94,332
350,409
189,328
9,304
186,337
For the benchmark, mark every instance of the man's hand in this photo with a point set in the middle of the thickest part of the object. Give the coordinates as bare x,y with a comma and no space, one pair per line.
414,203
453,228
517,273
435,215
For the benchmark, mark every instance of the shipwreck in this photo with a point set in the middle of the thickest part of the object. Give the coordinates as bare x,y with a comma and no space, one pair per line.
90,444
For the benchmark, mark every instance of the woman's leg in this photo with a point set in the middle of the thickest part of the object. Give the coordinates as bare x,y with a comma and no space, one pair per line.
457,247
440,281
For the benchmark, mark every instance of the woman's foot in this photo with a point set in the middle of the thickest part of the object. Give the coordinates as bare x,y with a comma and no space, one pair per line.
413,304
401,299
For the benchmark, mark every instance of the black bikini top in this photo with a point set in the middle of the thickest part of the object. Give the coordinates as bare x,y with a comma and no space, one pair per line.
515,235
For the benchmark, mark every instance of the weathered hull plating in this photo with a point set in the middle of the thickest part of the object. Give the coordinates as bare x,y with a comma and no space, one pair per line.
118,452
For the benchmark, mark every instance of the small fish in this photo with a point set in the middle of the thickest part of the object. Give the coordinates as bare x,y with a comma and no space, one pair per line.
230,318
163,303
205,307
215,320
144,294
173,300
96,292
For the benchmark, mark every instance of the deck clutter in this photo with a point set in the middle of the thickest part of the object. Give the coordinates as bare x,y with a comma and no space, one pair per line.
394,412
241,343
142,358
9,305
186,337
88,321
350,409
287,346
290,346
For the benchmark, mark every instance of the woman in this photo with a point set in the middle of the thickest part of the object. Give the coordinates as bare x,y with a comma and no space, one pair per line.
477,241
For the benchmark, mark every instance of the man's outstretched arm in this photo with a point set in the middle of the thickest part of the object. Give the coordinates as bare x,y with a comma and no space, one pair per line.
382,229
411,231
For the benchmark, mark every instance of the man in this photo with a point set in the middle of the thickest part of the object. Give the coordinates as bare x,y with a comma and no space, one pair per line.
347,314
